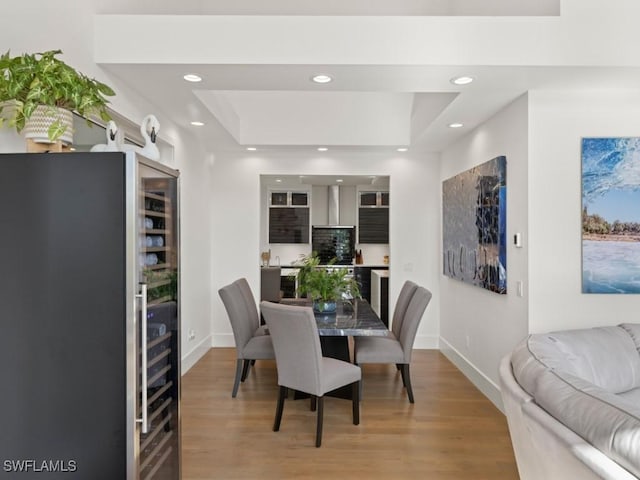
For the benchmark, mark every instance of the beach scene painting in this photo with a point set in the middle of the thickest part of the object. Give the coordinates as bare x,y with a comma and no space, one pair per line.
611,215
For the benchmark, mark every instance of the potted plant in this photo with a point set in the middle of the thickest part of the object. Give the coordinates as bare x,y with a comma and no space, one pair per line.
39,92
324,286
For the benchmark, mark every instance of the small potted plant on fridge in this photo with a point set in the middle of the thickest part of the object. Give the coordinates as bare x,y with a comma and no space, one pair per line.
39,92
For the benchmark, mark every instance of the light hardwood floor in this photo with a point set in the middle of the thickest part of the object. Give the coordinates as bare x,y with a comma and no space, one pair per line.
451,432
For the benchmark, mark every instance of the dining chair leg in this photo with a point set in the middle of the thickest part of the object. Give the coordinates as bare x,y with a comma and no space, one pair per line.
279,408
360,382
356,403
236,381
245,369
319,427
407,381
402,374
313,403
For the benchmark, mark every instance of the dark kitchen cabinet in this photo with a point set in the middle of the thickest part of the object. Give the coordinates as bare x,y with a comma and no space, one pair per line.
374,225
289,217
373,217
288,225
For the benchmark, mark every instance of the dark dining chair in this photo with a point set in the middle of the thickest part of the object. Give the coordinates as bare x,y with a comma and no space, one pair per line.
300,363
252,341
270,278
392,349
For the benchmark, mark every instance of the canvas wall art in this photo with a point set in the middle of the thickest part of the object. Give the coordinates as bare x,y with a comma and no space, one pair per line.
474,223
611,215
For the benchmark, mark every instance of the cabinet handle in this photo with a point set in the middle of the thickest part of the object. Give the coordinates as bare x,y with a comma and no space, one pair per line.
143,355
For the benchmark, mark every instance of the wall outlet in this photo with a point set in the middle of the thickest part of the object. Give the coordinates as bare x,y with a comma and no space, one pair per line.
192,334
468,340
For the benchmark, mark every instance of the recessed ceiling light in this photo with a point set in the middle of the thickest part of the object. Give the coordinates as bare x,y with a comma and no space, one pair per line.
252,149
278,180
456,125
192,77
339,180
322,149
403,149
321,78
464,80
197,124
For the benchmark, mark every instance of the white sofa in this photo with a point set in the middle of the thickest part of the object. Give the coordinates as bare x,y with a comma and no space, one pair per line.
572,401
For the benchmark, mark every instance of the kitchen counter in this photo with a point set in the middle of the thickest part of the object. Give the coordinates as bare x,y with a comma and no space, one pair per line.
380,294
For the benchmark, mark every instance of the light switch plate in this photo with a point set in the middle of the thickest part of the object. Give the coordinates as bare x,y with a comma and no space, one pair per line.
517,240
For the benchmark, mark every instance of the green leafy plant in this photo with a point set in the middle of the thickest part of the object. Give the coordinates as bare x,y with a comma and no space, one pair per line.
321,285
30,80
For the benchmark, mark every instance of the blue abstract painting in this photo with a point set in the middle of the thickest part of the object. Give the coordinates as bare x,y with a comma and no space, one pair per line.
611,215
474,225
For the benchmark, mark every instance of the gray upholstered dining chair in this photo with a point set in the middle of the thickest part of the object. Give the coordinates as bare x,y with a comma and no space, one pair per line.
406,294
300,363
252,341
392,349
270,284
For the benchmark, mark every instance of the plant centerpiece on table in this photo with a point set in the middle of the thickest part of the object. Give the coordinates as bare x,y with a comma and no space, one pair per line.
39,90
324,287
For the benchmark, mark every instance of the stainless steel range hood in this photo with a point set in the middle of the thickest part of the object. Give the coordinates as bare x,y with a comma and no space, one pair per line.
333,205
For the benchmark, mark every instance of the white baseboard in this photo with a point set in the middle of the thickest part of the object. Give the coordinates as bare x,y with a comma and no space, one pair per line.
479,379
222,340
426,342
190,359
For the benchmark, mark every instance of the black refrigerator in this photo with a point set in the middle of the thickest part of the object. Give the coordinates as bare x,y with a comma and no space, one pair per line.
89,317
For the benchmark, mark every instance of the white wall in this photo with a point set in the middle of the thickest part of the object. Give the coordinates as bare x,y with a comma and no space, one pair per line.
57,28
478,327
10,141
336,7
558,121
414,217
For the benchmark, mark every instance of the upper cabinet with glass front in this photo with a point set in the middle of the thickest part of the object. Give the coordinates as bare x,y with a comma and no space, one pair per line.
288,217
373,217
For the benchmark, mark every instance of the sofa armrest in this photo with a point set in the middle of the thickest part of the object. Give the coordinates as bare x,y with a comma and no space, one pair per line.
564,454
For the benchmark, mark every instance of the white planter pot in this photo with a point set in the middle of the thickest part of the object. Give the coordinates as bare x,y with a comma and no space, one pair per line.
37,127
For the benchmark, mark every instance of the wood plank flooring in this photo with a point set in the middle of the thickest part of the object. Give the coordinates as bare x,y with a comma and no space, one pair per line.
451,432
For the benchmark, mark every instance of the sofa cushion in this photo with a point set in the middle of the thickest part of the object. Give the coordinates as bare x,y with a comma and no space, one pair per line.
606,356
